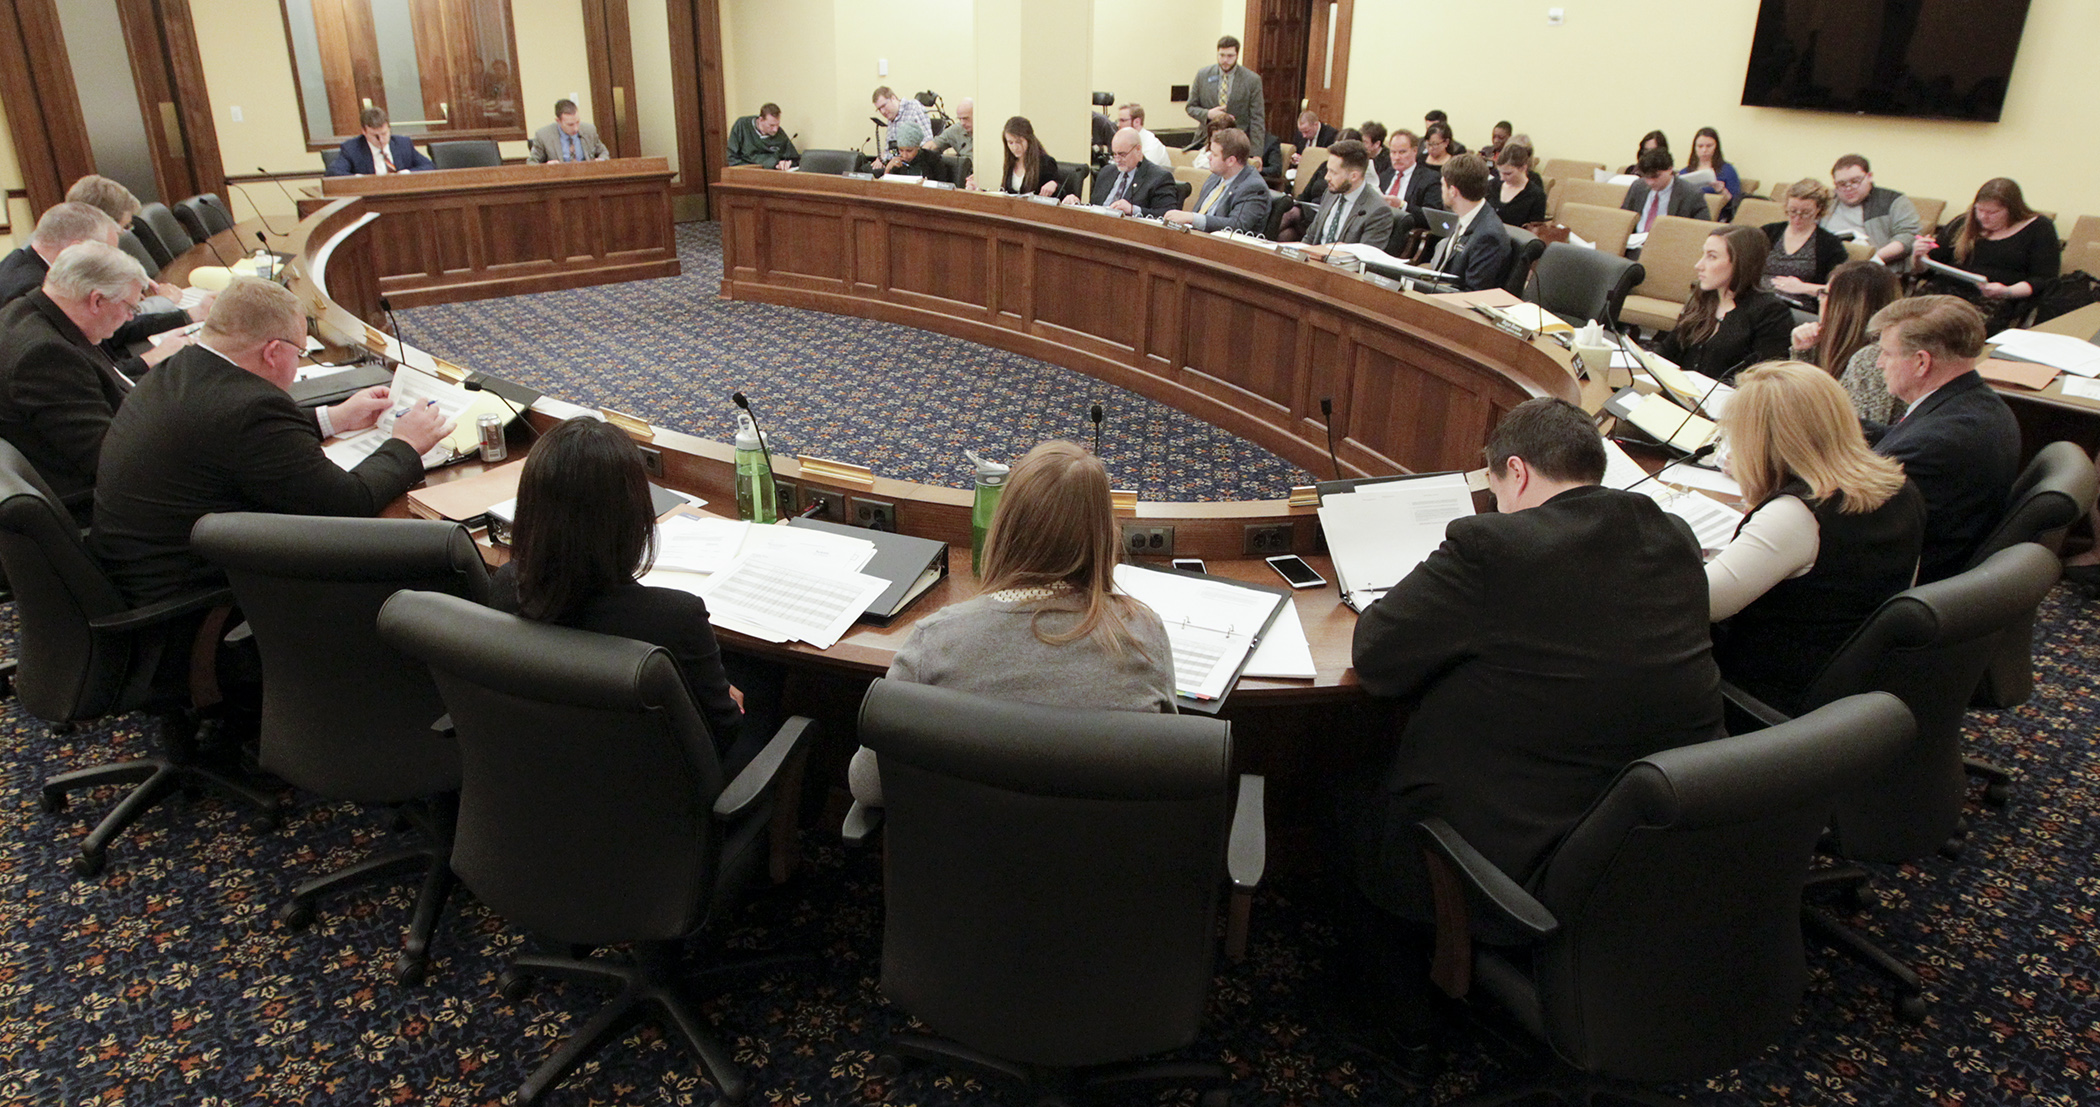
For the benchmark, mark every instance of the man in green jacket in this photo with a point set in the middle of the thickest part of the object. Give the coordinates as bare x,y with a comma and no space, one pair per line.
757,140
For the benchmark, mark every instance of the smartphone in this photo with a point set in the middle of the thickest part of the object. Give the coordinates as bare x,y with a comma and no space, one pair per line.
1296,572
1191,564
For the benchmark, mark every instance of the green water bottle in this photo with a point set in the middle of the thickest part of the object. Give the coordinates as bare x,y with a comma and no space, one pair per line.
754,475
991,481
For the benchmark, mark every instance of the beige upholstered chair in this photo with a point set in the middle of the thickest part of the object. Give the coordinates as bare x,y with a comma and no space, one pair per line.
1929,212
1756,211
1568,169
1600,193
1606,228
1310,165
1194,177
1673,248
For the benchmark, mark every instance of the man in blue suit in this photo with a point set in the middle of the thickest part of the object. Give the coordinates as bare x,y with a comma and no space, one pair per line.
377,150
1235,196
1476,252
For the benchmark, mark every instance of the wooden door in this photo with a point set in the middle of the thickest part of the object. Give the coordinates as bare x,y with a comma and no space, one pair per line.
169,75
43,108
609,44
1327,59
1278,32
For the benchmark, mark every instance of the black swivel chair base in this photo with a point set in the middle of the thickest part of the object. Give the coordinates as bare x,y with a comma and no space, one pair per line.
1850,881
1054,1087
431,858
1997,781
651,980
180,770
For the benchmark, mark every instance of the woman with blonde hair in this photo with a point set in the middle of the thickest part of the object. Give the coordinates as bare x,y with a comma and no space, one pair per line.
1834,530
1803,253
1047,625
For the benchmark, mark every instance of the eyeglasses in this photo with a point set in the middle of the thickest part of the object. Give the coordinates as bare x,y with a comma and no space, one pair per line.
1849,182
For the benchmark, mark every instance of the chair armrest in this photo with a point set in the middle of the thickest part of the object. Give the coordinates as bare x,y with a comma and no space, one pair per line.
862,821
1498,910
757,778
443,727
1756,708
139,618
1247,847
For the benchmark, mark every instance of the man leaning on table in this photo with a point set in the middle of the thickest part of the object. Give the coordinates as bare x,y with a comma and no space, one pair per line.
569,138
378,150
1129,184
1235,196
760,140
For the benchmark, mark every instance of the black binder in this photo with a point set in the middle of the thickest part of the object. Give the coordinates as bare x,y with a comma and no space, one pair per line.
911,565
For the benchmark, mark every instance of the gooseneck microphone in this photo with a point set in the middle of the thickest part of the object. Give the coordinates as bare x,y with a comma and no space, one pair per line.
1327,416
387,306
267,252
772,477
1095,415
280,187
478,382
1695,455
236,186
209,245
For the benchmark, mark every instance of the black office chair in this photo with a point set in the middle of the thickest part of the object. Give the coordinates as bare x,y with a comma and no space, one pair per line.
1279,204
2055,490
1072,180
833,162
1525,249
328,160
1051,882
161,232
1928,646
132,245
592,811
84,654
345,716
1581,285
471,153
1662,940
203,216
1181,192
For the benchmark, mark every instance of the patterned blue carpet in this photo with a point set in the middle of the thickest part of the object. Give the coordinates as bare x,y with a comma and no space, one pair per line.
168,982
901,401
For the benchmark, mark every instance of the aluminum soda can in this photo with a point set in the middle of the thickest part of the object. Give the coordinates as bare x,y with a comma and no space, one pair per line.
490,427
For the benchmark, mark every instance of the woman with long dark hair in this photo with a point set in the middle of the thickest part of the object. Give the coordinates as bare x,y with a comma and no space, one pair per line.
1841,343
1730,323
1653,140
2003,241
1047,625
1706,154
1027,169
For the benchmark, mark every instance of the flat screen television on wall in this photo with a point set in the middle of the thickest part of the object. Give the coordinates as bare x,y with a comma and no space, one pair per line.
1930,59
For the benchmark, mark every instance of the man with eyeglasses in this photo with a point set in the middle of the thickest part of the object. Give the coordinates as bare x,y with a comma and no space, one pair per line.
1883,217
58,387
213,429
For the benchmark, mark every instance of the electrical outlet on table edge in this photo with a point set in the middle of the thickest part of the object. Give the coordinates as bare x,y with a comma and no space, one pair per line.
789,495
1266,539
873,514
831,506
1144,540
653,461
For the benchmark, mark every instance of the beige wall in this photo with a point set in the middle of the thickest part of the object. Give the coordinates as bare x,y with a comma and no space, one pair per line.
1141,50
1643,64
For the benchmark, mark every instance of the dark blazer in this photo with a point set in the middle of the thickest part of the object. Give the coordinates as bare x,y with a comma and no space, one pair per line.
201,434
1542,651
1324,137
1369,221
1962,447
1424,188
1046,170
354,158
1760,328
1151,188
23,272
665,617
1245,104
1528,207
1829,249
57,394
1244,207
1685,200
1480,256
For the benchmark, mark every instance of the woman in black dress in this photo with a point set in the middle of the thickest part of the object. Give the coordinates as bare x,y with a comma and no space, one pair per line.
2003,241
1518,198
1730,323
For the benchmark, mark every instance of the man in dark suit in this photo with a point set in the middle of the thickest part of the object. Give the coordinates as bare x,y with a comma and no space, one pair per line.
1311,133
1659,193
1957,439
1543,648
377,150
64,225
1235,196
1229,89
1408,185
1352,211
215,430
1476,252
58,389
1129,184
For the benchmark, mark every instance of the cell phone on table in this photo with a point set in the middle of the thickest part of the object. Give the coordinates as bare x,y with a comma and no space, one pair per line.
1296,572
1190,564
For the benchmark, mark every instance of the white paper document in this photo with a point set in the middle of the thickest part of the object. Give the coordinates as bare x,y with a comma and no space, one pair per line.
191,297
1378,533
2082,388
2072,355
1210,624
693,544
786,600
1284,651
1712,521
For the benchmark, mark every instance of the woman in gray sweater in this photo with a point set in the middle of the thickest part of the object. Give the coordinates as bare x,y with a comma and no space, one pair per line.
1047,626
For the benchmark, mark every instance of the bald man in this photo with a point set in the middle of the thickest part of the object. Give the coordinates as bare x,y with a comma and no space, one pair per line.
961,135
1131,185
215,430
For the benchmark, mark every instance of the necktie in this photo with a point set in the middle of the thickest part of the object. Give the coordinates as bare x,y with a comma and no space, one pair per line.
571,148
387,155
1211,200
1393,190
1443,251
1334,220
1122,184
1654,204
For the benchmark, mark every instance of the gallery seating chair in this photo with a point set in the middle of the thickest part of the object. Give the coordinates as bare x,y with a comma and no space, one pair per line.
203,216
593,810
468,153
833,162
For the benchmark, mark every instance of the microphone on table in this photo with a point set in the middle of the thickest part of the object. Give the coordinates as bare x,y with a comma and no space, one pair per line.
772,477
1710,447
280,187
267,252
387,306
1327,416
236,186
208,244
1095,415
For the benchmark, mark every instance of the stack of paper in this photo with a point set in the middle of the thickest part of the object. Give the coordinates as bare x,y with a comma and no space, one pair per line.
1212,625
413,388
1711,521
1666,422
1378,533
782,584
2072,355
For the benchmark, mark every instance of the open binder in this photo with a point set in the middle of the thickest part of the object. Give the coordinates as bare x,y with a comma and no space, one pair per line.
1213,625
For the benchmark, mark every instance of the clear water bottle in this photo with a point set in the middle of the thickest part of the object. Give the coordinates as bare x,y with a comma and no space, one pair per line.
754,475
991,482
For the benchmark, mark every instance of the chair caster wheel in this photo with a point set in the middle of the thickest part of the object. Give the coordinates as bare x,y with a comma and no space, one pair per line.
296,915
1861,897
1997,793
513,985
60,730
89,863
265,822
1216,1097
411,970
889,1066
399,821
1910,1008
1951,849
52,802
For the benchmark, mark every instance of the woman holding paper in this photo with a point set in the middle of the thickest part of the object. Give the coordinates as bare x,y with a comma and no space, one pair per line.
1729,322
585,528
1047,626
2004,242
1836,529
1707,157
